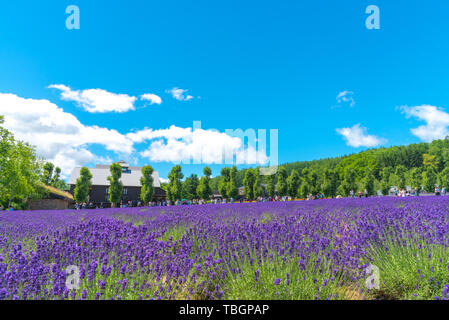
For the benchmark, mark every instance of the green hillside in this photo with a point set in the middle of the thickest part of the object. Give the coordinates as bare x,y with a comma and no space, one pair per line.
421,165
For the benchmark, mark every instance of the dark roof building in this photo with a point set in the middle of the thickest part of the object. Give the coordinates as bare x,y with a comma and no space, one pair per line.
130,180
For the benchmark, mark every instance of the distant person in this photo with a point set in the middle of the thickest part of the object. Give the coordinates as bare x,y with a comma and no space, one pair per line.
366,193
437,191
360,194
443,191
351,193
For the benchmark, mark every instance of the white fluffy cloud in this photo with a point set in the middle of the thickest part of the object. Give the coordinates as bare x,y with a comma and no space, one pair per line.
356,136
154,99
179,94
58,136
61,138
436,119
346,97
202,146
97,100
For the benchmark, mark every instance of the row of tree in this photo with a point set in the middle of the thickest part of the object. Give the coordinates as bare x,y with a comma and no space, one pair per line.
115,190
419,166
191,188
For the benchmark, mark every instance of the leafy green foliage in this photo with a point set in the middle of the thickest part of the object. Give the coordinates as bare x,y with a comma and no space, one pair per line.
20,170
248,183
174,188
147,190
83,184
189,187
204,190
293,183
115,185
281,185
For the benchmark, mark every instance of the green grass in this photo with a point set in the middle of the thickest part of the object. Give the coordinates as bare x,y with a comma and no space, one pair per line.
316,281
175,233
413,271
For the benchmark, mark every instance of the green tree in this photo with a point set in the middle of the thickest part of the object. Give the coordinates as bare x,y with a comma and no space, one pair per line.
224,182
415,178
189,187
293,183
175,185
147,190
349,181
400,174
204,190
369,183
429,179
257,188
304,189
232,189
115,185
430,161
271,188
444,178
20,170
248,183
82,187
312,179
281,185
330,183
55,179
48,173
62,185
385,184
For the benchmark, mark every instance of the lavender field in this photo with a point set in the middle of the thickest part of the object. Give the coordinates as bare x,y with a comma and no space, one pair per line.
282,250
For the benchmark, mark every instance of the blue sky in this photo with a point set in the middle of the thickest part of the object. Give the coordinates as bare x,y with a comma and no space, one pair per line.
246,64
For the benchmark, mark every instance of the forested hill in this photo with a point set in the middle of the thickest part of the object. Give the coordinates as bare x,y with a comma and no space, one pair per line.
414,165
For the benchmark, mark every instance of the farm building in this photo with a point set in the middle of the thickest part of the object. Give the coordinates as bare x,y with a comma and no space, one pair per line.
131,184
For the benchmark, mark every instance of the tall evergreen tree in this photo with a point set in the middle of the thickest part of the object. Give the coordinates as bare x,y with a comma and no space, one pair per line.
147,190
115,185
175,185
82,187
